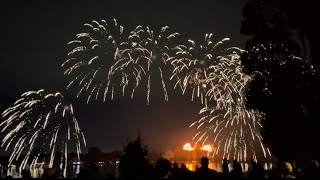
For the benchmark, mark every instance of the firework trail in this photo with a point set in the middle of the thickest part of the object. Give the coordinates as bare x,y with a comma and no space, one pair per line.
43,122
151,50
233,135
92,57
209,69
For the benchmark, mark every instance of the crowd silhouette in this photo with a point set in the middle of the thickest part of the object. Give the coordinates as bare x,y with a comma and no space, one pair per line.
163,168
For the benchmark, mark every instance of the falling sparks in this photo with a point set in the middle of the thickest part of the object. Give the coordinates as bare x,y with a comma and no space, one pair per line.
151,51
106,61
228,134
214,74
92,57
40,124
209,69
106,56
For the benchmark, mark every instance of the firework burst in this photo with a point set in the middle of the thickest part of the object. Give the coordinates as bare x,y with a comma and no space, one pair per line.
208,69
151,51
92,56
235,134
105,60
43,121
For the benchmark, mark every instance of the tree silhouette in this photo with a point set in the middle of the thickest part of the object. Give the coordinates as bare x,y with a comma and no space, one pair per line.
286,89
134,162
284,21
283,87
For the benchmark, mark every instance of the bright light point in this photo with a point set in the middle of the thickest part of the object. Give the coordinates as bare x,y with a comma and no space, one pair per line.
67,108
207,148
188,147
154,56
204,86
134,44
119,55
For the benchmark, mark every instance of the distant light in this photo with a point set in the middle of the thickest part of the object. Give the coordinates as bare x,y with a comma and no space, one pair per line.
154,57
188,147
101,163
77,162
207,148
67,108
204,86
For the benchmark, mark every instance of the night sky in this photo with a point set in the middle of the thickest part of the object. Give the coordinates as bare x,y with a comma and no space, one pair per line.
34,37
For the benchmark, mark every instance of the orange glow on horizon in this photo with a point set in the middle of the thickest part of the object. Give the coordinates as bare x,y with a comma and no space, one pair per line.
189,147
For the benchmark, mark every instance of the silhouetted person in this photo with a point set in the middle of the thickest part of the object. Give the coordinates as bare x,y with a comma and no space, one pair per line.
225,167
237,170
49,173
185,172
253,165
151,171
312,169
260,170
60,173
175,171
204,170
296,169
253,170
83,174
25,173
162,169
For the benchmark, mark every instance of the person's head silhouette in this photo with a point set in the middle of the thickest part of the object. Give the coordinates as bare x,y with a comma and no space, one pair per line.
204,162
175,165
162,168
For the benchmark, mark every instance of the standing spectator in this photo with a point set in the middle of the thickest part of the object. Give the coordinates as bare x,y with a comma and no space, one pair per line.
163,167
312,169
204,170
26,174
225,167
185,172
175,171
237,170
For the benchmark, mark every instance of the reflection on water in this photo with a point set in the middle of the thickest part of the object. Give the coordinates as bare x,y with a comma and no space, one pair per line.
218,167
193,165
37,170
